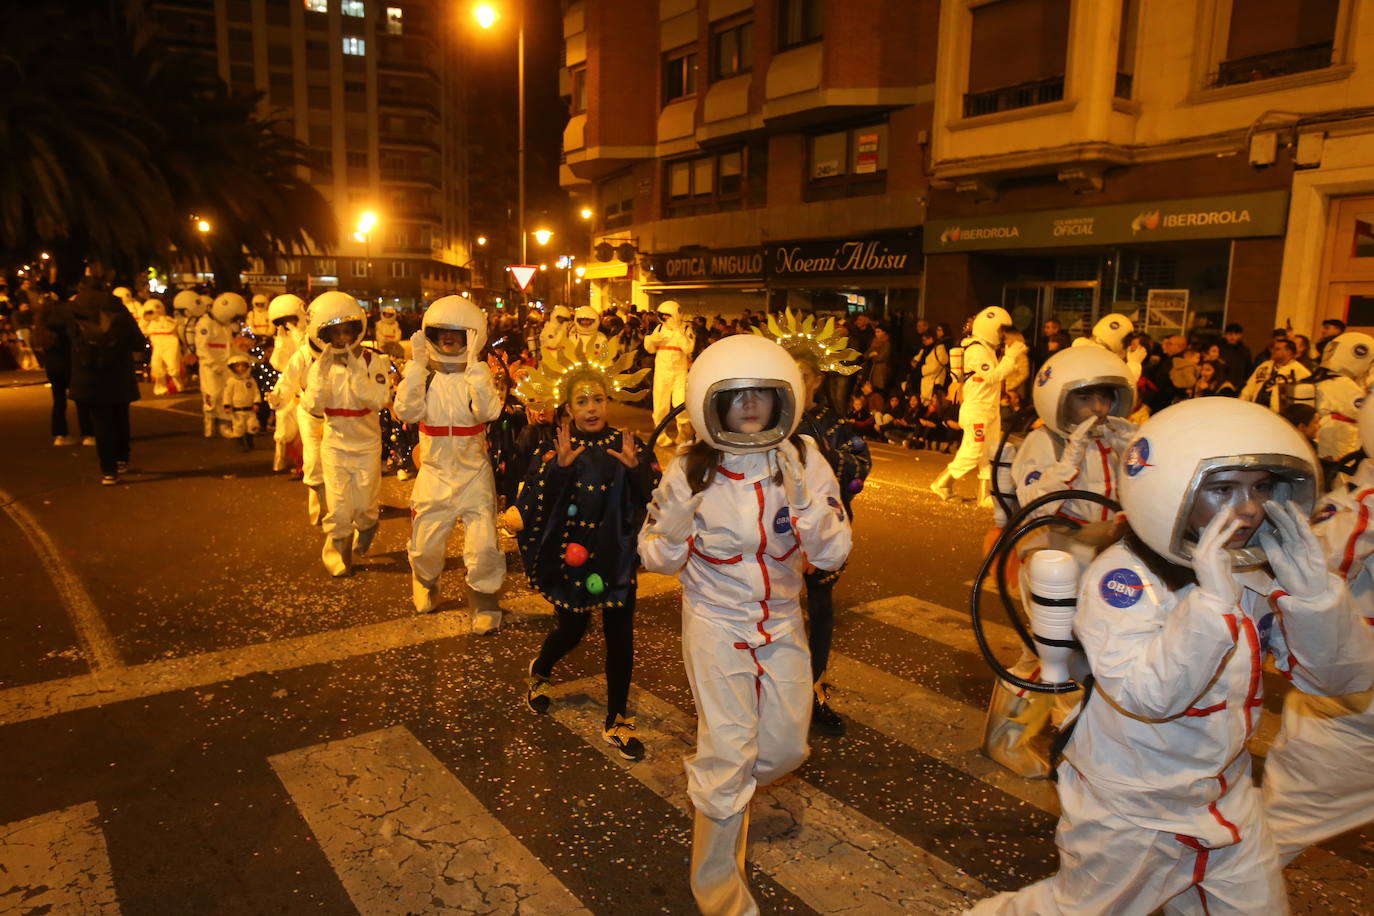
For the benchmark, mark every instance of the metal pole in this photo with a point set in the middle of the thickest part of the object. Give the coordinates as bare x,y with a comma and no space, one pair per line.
520,179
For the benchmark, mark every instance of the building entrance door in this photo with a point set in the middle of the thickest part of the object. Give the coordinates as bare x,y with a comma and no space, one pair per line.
1349,270
1073,303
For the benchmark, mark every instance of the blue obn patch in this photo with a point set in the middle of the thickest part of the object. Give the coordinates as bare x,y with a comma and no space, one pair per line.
834,504
782,522
1032,477
1121,588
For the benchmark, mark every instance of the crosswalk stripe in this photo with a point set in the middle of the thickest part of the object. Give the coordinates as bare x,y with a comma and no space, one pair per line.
405,835
826,853
57,863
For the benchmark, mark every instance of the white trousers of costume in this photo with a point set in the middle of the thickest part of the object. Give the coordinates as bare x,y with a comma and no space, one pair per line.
436,505
753,712
670,390
212,379
1108,864
1319,775
982,430
165,362
353,489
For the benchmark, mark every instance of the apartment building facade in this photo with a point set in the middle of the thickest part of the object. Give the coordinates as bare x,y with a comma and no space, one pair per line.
376,89
736,153
1186,162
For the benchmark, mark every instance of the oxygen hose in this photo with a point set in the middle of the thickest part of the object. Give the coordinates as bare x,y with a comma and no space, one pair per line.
999,553
663,424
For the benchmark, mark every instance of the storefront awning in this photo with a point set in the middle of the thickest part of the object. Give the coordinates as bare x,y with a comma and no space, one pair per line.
605,271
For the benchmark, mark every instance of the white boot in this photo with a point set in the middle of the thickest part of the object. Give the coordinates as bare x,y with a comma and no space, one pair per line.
336,556
486,612
362,539
314,503
423,596
984,494
209,427
279,457
943,486
718,878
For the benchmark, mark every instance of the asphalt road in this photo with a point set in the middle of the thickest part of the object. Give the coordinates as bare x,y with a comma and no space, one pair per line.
194,718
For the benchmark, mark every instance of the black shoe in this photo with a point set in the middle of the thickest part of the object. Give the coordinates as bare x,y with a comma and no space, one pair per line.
537,693
825,720
620,735
121,467
109,480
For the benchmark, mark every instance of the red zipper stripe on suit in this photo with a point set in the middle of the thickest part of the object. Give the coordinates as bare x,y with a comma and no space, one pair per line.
1199,866
1361,526
1104,451
763,548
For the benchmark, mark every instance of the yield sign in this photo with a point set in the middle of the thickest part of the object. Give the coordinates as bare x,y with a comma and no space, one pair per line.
523,274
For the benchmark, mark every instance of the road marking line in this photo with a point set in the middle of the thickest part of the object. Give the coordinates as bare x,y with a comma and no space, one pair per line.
404,835
57,863
39,701
831,856
97,643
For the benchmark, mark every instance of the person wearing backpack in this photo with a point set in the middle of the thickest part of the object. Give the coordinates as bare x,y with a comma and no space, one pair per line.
105,338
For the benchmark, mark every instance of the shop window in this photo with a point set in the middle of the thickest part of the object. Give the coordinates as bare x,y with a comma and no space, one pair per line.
354,8
617,202
1268,38
1125,49
317,6
354,47
679,74
847,163
1017,55
732,49
705,184
577,103
395,20
799,22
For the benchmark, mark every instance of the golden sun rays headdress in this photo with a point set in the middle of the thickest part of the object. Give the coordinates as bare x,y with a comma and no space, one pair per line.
801,339
550,385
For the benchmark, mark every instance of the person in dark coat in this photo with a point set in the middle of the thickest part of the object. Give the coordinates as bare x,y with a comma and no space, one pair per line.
52,339
1235,355
104,339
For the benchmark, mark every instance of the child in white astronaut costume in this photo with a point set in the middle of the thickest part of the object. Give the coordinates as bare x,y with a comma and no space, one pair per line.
215,332
161,331
1159,809
671,343
387,333
259,318
1110,334
587,332
553,337
1319,775
980,415
240,401
1339,391
449,391
286,395
737,517
287,316
347,385
1082,395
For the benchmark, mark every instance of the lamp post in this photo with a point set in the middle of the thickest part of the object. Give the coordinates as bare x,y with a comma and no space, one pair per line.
367,221
486,16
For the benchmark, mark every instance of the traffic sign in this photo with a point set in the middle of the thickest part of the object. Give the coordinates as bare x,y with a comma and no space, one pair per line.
523,274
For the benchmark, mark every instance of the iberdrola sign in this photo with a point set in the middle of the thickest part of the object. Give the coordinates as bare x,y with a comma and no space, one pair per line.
1261,213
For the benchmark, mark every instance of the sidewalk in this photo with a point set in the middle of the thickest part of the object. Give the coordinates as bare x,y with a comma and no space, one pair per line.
21,378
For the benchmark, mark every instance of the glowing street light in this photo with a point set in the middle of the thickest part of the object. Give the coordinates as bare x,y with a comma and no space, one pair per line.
203,225
481,240
367,222
586,213
44,256
542,236
486,15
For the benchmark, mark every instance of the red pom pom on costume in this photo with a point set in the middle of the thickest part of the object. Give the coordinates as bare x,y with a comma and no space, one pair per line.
575,555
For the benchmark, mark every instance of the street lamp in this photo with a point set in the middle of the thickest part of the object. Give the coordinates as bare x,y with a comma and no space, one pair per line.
586,213
486,16
542,236
367,221
481,240
203,225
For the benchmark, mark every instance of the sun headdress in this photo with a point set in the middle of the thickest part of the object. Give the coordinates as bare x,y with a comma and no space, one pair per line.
822,348
550,385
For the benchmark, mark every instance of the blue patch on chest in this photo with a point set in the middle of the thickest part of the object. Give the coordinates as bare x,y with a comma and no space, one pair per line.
782,522
1121,588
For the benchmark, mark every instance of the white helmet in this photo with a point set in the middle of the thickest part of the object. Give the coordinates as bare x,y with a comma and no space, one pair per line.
122,293
286,305
336,308
1112,331
715,376
155,307
989,324
1072,370
454,313
259,302
185,301
561,313
228,307
1349,354
585,313
203,303
1175,450
238,356
1366,421
388,311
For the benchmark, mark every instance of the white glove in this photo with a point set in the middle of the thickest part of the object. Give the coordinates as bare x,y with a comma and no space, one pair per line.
1118,432
1015,349
672,519
1072,456
1294,553
793,475
418,347
1135,354
1212,561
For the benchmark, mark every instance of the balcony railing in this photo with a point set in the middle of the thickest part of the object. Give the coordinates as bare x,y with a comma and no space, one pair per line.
1008,98
1276,63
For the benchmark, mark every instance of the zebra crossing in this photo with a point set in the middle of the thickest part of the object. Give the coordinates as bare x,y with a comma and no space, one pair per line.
886,829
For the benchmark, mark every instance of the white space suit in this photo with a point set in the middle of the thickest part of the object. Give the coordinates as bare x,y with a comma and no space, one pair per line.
739,547
260,318
287,315
1265,383
980,414
348,386
1346,362
286,396
553,337
161,331
586,332
387,333
1158,805
239,401
452,398
214,336
1319,776
1110,334
671,343
126,296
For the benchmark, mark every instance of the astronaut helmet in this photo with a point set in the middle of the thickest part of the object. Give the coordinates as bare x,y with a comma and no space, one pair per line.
187,301
989,325
336,309
715,385
1365,419
454,313
670,313
123,294
388,313
228,308
286,306
1349,354
1078,369
1174,452
153,308
560,315
259,302
1112,331
203,303
587,320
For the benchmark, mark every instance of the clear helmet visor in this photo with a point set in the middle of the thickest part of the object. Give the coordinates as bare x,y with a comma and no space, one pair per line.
751,414
456,347
342,334
1103,397
1243,484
